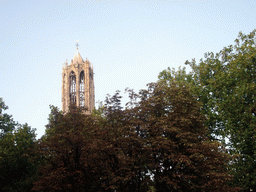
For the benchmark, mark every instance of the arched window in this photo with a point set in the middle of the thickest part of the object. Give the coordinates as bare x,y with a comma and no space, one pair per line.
81,91
72,84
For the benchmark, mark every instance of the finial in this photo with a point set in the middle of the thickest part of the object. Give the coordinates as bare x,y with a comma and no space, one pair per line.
77,44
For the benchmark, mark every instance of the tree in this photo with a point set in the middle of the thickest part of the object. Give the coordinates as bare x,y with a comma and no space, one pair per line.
181,157
225,83
129,151
7,125
64,149
157,142
76,156
84,153
18,159
161,135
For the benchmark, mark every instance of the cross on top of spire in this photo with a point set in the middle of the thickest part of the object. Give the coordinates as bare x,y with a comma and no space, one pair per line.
77,44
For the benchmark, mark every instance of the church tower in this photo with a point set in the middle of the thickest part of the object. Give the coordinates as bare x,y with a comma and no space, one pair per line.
78,84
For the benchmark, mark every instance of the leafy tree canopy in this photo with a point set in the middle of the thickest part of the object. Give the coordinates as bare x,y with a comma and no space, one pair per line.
7,125
158,142
225,83
18,159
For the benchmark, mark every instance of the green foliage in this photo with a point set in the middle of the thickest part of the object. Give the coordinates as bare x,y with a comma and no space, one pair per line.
54,118
100,111
225,83
18,159
158,143
7,125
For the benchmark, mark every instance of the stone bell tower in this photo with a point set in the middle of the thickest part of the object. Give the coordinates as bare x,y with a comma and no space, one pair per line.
78,84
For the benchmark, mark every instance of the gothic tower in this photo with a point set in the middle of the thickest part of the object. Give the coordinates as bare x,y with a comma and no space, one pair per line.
78,84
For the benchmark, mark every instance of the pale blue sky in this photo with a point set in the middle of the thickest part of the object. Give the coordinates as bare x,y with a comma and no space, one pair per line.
128,42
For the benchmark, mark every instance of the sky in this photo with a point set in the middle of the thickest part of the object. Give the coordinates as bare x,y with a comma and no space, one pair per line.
128,42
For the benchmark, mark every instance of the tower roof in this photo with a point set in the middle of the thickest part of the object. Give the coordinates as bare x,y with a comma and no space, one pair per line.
77,58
